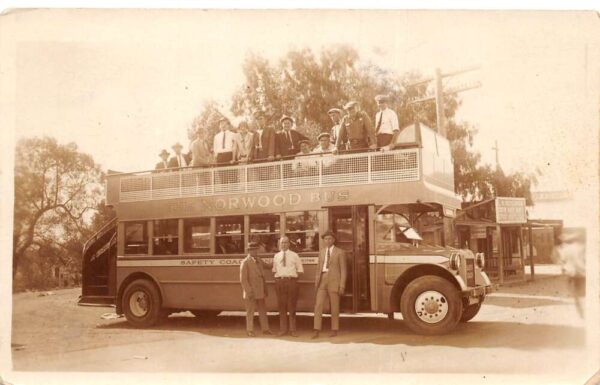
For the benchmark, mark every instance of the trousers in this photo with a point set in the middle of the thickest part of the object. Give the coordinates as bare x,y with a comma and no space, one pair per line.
334,301
287,296
384,139
251,306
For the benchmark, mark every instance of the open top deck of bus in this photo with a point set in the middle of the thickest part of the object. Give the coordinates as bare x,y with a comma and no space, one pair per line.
419,172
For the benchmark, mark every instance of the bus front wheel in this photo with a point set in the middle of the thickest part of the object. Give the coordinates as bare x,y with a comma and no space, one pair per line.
431,305
470,312
142,304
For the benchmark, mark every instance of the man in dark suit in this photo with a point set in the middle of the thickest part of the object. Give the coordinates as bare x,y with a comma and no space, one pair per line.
330,282
252,278
164,163
264,139
288,139
179,159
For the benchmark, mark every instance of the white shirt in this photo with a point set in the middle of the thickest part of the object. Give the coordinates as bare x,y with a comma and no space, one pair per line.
335,132
259,132
219,146
293,264
181,160
389,122
325,269
319,150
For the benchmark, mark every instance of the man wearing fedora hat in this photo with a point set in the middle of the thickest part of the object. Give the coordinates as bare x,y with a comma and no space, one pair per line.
288,140
330,281
179,159
164,163
254,289
264,138
335,114
386,122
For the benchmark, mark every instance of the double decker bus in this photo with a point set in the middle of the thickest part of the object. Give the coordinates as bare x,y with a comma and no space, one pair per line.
179,236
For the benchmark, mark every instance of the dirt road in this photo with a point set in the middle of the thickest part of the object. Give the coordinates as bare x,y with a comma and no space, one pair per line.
52,333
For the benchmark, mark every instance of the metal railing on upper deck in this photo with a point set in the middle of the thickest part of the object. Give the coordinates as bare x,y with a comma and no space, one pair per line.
311,171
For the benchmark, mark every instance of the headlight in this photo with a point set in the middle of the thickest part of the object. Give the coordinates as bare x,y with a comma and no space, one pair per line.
480,260
455,261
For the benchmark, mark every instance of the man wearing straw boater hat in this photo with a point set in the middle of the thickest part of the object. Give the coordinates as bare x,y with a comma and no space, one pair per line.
179,159
330,282
164,163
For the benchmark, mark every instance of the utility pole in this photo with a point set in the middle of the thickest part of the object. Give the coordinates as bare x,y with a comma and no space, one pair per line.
440,92
497,150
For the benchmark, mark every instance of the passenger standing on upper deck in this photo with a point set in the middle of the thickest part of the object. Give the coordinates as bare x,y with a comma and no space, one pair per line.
325,145
200,150
356,131
254,289
288,139
287,266
264,139
335,114
243,144
179,159
223,143
164,163
386,123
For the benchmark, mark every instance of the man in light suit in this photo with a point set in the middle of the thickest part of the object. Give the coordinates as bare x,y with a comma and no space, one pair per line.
252,278
330,281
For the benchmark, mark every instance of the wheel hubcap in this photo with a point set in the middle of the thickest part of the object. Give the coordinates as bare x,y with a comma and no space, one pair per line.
431,306
138,303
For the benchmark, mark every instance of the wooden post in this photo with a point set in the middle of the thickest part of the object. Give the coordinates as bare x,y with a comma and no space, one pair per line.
439,103
531,263
500,255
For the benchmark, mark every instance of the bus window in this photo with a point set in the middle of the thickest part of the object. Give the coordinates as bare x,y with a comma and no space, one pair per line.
264,229
196,238
302,229
165,237
392,229
136,238
229,237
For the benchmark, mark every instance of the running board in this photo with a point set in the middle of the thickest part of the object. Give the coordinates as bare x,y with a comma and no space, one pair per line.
96,300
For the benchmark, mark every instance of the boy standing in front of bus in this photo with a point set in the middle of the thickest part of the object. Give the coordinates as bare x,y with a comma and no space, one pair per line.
330,281
252,278
287,266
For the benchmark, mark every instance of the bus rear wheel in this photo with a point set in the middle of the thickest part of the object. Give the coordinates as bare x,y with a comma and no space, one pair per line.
142,304
431,305
470,312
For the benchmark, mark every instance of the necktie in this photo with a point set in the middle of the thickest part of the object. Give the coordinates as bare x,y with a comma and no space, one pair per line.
223,145
327,258
380,119
289,135
284,258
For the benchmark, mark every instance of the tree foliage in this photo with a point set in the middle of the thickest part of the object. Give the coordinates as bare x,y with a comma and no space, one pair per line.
56,190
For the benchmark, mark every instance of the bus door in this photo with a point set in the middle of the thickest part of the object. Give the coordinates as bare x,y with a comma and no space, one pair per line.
350,225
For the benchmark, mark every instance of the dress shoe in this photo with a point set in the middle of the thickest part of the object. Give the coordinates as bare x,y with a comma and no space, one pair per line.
282,334
251,334
315,335
333,333
294,334
267,333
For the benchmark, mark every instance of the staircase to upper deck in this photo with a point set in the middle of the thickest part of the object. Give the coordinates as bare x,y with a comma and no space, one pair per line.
99,252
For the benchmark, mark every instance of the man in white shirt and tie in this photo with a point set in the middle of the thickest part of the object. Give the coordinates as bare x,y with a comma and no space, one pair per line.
287,266
223,143
330,281
386,123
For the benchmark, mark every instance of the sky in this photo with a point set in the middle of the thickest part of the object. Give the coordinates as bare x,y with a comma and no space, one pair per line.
125,84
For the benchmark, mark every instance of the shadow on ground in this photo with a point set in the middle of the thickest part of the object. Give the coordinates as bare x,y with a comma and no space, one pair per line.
381,331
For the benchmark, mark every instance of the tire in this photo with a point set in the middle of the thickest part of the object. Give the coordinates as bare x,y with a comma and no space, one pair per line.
142,304
470,312
205,313
431,305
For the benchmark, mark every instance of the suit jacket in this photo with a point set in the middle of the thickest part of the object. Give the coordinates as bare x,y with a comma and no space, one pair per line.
287,148
161,165
252,278
174,162
336,278
264,145
241,146
199,154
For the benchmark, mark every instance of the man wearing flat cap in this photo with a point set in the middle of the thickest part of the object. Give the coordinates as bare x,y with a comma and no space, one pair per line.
254,290
164,162
179,159
386,123
356,131
264,138
330,282
325,146
335,114
288,140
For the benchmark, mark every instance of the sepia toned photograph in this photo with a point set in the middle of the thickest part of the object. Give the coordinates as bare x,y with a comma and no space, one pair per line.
300,192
